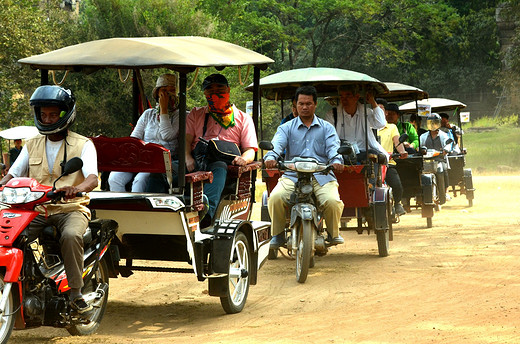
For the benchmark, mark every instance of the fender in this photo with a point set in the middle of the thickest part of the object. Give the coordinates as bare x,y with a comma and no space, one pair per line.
427,185
304,211
12,259
380,200
220,249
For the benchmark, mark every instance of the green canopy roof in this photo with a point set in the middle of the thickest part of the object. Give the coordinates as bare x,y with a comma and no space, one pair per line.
177,53
326,80
403,92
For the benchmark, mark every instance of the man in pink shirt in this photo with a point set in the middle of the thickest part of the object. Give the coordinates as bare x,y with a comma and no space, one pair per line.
219,120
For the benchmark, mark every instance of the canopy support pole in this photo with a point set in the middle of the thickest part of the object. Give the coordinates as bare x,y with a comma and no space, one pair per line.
181,172
256,115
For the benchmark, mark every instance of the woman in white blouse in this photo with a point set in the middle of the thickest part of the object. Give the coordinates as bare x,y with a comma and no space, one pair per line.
157,125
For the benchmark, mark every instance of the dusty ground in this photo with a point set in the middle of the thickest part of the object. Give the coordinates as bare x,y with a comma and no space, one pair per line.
457,282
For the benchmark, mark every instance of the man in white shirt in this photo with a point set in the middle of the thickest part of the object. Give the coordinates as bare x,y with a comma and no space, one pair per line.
349,121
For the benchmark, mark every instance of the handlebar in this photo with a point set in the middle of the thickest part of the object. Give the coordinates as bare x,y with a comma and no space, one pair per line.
61,194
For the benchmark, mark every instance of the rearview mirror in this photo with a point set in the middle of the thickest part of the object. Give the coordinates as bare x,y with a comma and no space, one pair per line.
73,165
266,145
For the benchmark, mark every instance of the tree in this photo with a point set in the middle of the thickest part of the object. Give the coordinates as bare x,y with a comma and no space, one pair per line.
26,28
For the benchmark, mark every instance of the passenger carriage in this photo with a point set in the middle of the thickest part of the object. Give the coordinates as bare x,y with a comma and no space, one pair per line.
460,177
168,227
367,200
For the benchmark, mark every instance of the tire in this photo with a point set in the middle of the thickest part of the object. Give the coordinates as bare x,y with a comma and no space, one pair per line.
273,254
7,321
100,277
441,188
383,242
238,276
304,250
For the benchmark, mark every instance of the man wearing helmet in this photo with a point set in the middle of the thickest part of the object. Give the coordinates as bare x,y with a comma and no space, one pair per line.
43,158
437,139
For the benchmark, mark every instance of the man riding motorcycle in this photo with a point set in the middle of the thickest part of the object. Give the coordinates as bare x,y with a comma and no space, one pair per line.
43,158
306,136
438,140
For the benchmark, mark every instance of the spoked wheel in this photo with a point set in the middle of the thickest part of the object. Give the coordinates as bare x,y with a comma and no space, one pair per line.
7,317
238,278
95,292
304,250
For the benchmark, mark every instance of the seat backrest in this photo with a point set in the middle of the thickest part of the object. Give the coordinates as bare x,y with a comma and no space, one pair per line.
129,154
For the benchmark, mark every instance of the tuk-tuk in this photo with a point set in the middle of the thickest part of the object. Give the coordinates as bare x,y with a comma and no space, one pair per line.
367,200
417,181
229,251
460,178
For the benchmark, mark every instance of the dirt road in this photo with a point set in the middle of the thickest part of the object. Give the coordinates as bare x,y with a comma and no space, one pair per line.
457,282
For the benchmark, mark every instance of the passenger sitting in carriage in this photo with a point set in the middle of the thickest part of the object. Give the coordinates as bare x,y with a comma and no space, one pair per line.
157,125
349,120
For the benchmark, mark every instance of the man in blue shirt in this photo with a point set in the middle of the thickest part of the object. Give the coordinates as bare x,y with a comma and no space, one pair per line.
306,136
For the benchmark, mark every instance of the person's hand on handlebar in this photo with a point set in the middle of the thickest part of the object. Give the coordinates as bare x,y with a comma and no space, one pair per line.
270,163
69,191
338,167
403,155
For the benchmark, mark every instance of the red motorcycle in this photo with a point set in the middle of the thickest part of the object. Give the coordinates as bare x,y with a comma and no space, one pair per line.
33,283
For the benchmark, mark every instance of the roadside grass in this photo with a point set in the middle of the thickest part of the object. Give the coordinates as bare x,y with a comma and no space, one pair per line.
493,145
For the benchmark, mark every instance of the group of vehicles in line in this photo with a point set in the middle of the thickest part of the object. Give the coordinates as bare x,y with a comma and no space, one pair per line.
137,227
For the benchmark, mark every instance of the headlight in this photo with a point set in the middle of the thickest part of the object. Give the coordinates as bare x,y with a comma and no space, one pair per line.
19,195
305,166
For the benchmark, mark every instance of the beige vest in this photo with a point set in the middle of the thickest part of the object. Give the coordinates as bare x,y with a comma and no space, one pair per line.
38,169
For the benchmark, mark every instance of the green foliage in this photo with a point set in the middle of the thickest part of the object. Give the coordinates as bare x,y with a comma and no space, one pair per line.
442,46
493,150
104,102
26,28
494,122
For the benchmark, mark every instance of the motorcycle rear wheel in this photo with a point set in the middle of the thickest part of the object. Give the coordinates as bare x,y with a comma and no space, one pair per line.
6,321
100,276
305,239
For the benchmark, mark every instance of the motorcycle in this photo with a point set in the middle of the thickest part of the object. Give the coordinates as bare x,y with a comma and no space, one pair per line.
435,163
422,177
33,283
305,237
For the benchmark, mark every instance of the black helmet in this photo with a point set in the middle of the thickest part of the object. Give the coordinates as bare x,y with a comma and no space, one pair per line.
433,121
45,96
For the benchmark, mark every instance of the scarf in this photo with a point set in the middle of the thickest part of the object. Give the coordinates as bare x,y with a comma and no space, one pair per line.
221,110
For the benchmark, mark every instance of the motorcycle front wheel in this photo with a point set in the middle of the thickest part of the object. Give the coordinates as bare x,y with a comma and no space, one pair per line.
238,278
305,239
7,318
98,283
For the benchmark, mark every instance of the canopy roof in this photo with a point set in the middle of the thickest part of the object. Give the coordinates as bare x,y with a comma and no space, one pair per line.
21,132
437,105
182,53
283,85
403,92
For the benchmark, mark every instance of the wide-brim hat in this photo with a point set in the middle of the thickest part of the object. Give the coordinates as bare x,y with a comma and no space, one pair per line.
163,81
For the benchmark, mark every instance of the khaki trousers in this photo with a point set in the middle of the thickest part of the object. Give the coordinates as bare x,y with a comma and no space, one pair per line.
72,226
327,196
